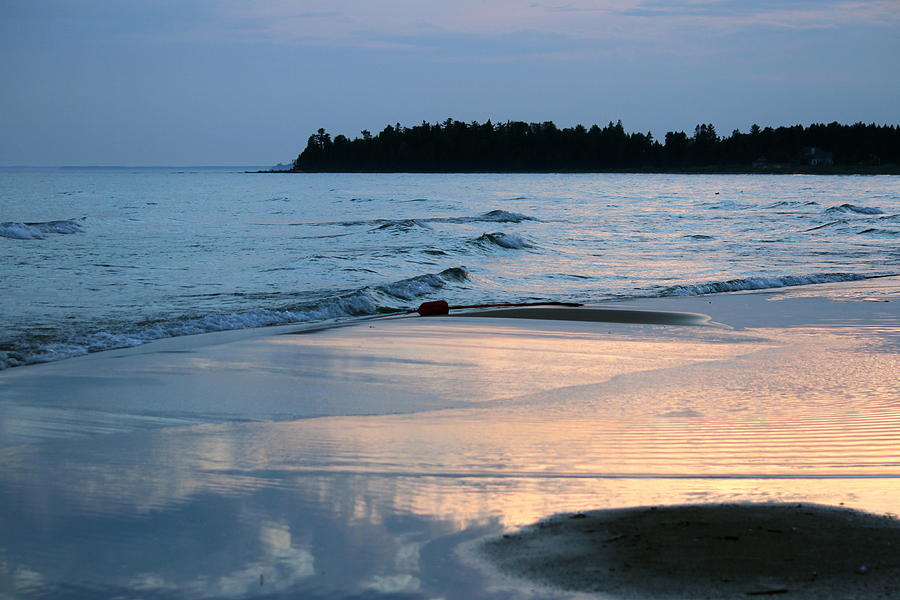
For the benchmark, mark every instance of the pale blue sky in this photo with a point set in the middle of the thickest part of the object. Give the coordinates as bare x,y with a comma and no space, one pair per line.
203,82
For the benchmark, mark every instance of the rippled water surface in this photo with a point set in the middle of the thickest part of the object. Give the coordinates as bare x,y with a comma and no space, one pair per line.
100,258
358,463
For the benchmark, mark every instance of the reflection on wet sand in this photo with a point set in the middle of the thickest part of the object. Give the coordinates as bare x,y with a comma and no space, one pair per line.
375,506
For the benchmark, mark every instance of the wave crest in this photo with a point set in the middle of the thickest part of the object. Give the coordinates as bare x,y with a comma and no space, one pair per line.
757,283
422,285
502,216
36,231
511,241
370,300
854,209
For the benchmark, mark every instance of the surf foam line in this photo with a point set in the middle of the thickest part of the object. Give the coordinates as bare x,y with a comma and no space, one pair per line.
761,283
385,299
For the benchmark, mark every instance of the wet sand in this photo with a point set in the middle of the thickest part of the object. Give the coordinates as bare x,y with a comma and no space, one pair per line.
595,315
709,551
352,462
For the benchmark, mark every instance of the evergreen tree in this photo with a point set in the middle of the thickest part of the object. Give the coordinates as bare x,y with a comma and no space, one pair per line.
518,146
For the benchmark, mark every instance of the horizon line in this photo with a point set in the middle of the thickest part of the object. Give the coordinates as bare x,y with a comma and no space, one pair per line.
236,166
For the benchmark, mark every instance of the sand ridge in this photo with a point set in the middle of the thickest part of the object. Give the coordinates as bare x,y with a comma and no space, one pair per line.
709,551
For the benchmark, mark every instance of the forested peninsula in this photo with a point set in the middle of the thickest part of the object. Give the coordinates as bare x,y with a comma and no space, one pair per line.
514,146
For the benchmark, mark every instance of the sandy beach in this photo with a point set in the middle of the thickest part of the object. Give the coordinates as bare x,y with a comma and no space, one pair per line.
356,462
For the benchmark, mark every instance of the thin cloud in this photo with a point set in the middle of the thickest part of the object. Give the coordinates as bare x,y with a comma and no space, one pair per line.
356,23
280,19
797,14
503,29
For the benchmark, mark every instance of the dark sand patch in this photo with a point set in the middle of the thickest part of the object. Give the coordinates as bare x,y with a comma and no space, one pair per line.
709,551
594,315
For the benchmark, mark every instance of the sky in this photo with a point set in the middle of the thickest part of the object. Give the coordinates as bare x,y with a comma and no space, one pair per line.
237,82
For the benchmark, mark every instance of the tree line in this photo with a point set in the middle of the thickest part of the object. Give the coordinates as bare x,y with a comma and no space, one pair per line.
455,146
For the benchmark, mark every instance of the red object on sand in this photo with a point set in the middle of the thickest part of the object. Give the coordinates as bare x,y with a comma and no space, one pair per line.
435,307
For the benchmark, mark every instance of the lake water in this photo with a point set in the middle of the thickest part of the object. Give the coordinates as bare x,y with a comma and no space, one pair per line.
358,463
93,259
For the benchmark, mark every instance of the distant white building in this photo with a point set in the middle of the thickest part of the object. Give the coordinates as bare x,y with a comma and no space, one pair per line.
817,157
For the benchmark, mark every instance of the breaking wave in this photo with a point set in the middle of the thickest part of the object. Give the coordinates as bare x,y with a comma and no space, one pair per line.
854,209
37,231
370,300
414,287
512,241
757,283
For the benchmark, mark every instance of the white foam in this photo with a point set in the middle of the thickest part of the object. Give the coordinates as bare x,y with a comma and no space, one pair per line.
36,231
757,283
20,231
364,301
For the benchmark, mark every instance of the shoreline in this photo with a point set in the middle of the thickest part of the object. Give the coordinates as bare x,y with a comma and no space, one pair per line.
734,170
